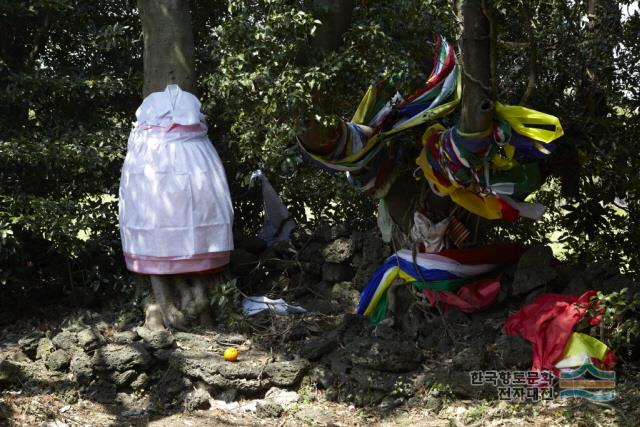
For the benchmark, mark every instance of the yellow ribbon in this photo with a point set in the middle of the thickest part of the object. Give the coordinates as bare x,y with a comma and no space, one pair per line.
504,163
388,278
583,343
366,104
525,121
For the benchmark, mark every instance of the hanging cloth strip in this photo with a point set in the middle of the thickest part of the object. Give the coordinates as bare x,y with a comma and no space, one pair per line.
486,205
385,113
531,123
486,172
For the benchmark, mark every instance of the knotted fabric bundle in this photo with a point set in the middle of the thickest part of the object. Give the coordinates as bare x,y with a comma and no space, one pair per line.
362,147
488,173
465,279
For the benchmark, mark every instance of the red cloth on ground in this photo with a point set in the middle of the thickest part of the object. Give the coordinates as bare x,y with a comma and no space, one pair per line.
469,298
547,324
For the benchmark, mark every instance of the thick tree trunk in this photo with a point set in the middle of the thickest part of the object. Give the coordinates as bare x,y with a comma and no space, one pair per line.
169,59
604,20
168,45
336,18
477,89
476,115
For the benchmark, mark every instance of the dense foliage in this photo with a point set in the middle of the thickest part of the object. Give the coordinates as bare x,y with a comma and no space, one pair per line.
70,81
587,73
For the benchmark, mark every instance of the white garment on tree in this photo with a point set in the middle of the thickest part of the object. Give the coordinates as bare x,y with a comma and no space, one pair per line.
175,208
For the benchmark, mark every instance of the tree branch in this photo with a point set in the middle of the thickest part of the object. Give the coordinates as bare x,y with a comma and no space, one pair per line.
533,57
39,40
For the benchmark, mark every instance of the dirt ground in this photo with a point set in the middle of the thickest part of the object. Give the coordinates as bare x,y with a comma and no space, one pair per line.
48,398
65,363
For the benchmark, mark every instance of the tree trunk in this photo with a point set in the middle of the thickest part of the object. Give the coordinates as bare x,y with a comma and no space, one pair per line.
168,45
477,45
169,59
604,20
336,19
335,16
477,88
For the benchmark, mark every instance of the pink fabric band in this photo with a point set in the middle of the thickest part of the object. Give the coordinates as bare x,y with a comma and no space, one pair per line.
176,265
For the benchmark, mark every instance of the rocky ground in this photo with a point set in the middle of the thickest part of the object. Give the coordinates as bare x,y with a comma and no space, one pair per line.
75,367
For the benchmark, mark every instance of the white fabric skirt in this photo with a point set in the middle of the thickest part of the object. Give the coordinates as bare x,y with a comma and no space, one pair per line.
175,208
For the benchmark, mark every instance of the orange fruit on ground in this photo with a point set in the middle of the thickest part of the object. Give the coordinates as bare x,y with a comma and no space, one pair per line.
231,354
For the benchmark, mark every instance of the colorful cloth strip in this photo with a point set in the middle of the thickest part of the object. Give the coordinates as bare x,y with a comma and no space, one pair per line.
485,173
447,271
580,347
469,297
386,113
482,172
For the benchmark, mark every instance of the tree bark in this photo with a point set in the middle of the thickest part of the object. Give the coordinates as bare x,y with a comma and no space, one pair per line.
603,21
168,45
336,18
477,89
169,59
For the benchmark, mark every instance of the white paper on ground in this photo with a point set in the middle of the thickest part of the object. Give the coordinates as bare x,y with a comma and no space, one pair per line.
254,305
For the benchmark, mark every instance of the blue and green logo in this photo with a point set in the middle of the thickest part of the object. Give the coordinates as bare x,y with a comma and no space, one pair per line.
588,382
